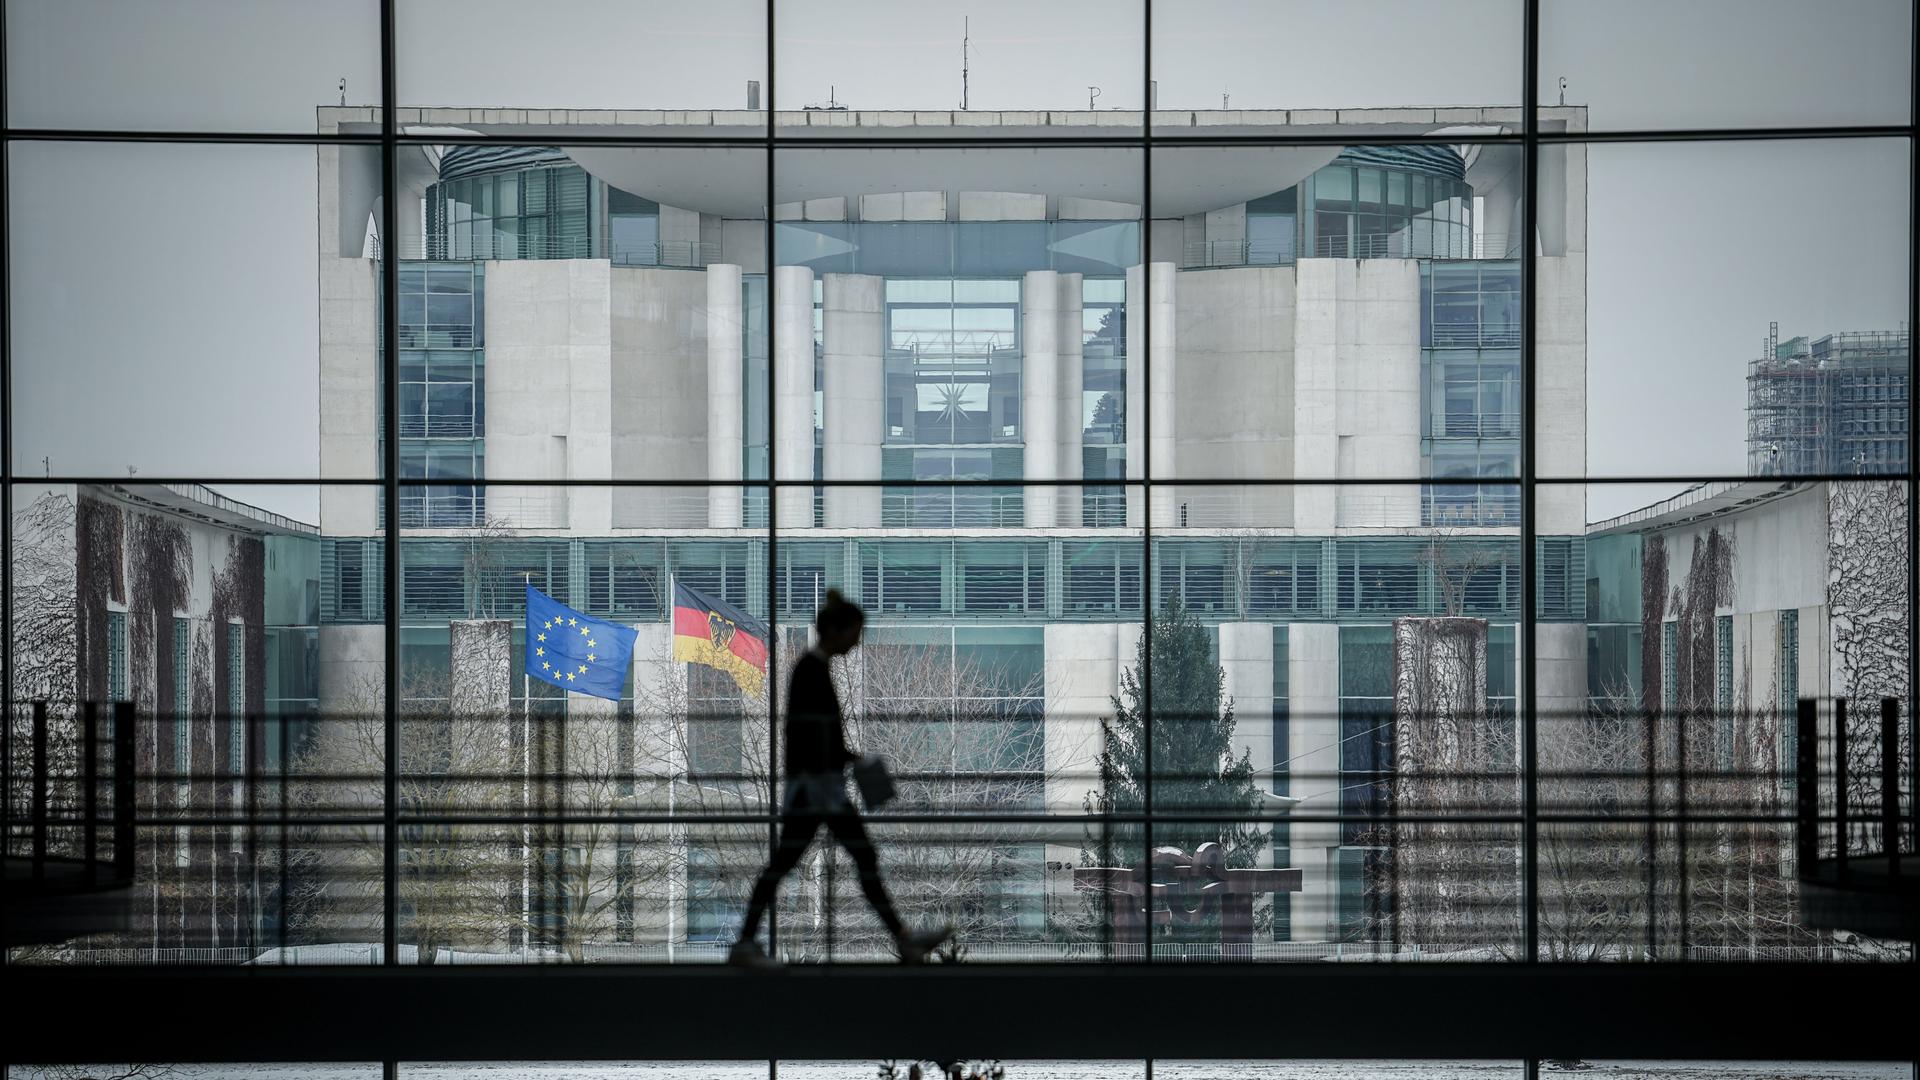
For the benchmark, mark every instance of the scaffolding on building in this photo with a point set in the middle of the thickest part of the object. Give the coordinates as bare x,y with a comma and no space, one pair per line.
1838,404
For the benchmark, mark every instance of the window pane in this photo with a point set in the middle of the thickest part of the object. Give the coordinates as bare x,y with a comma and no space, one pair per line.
1213,61
584,61
1702,352
1645,64
191,65
159,357
957,299
902,72
241,636
1709,611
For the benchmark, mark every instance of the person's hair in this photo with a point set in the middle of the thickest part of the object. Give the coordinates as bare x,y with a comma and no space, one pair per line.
838,613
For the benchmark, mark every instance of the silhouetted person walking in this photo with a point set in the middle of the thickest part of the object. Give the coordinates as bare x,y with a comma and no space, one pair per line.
816,789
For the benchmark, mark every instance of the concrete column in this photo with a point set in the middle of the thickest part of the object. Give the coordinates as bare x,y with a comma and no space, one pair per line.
349,359
1039,391
1315,385
1246,658
1072,378
480,668
725,403
1082,673
1313,740
352,669
1377,403
854,385
1136,402
793,392
589,510
1560,392
1162,447
551,388
1560,673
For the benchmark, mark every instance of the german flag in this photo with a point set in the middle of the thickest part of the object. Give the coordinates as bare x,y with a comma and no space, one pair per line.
721,636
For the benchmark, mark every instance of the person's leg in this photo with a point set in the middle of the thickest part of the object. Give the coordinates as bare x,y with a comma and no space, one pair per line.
796,832
852,835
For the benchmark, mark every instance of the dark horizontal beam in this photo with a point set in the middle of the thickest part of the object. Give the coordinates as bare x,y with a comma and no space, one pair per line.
136,482
754,137
1166,1011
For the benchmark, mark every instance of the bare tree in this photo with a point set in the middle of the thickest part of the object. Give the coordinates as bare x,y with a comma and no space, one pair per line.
117,1071
1456,562
952,731
44,651
475,884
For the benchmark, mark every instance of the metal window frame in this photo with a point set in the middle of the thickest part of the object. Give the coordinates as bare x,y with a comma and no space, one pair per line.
1529,138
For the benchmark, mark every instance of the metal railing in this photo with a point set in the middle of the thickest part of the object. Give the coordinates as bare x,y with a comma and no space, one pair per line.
507,508
666,253
1200,254
1641,807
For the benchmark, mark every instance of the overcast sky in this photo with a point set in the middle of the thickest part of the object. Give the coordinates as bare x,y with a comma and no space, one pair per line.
165,310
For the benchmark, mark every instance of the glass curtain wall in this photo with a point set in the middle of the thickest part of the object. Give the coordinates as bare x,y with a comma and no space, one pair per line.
1333,515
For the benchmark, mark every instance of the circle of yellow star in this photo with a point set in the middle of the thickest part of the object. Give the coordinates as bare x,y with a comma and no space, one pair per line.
569,676
592,644
592,659
539,652
573,622
583,670
545,666
549,625
543,637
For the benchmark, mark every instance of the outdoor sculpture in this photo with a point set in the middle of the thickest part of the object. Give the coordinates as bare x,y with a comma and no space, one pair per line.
1183,890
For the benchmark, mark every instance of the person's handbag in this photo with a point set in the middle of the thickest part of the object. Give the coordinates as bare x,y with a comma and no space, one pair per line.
876,783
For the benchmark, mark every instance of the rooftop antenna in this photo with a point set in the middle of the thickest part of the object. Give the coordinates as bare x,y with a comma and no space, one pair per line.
1092,92
343,90
1563,89
966,43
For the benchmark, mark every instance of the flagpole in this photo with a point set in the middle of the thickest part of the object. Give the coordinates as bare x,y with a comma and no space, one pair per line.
675,856
526,790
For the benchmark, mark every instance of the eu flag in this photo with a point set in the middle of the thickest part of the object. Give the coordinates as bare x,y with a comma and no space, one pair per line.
574,652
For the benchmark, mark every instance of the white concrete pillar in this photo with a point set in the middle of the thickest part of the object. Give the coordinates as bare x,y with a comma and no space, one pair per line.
1315,386
1039,391
793,393
1560,392
726,404
1246,660
352,669
1560,673
1082,673
1313,744
1071,380
1377,402
1161,445
854,396
480,668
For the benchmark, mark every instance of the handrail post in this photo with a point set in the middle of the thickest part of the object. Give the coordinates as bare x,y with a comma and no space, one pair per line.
39,810
1890,783
1840,787
123,791
1806,786
90,788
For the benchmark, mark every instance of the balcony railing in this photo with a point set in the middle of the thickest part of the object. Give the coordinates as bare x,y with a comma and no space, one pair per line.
1395,245
678,253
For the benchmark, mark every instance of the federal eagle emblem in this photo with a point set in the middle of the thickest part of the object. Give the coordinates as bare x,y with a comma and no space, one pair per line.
720,631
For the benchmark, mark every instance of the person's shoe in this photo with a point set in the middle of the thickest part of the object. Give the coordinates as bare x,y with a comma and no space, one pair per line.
914,945
749,954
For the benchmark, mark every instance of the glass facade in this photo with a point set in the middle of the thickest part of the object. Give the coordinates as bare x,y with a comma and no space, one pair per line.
1294,536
